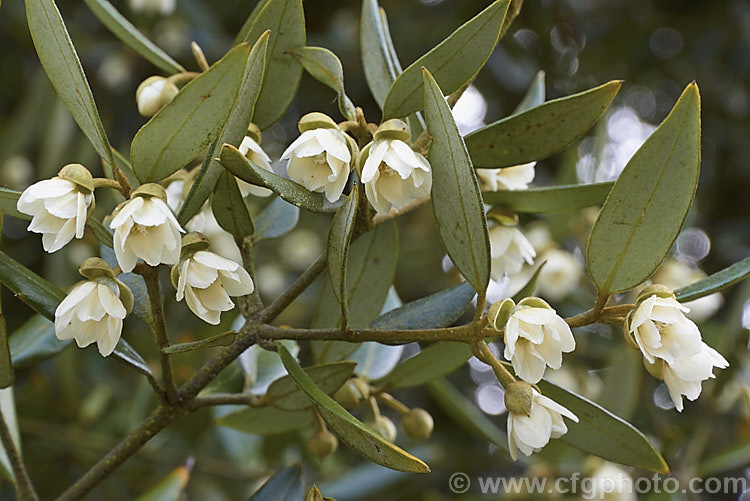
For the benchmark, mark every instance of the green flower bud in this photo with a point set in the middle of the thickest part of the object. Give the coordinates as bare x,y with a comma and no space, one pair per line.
393,129
351,394
323,444
518,398
314,495
383,427
418,424
153,93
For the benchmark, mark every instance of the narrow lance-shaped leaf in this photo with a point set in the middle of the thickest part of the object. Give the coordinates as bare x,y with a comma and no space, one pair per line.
35,341
276,219
339,237
530,286
236,163
6,365
242,35
286,20
171,487
438,310
229,207
455,61
380,67
350,430
437,360
548,200
266,420
715,282
326,68
456,200
223,339
8,410
130,36
649,202
535,95
541,131
285,394
191,121
286,484
232,132
60,61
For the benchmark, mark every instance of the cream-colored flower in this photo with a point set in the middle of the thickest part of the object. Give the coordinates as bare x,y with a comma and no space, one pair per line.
535,337
611,483
206,280
394,175
676,274
253,151
685,375
59,206
92,312
560,275
509,250
320,160
529,432
144,227
517,177
153,93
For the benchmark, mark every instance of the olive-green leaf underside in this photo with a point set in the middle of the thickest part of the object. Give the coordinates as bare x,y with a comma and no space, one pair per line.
550,200
715,282
337,255
286,395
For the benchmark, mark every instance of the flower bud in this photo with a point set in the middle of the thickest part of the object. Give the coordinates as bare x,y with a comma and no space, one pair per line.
518,398
352,393
314,495
79,175
316,120
393,129
322,444
499,312
383,427
153,93
417,424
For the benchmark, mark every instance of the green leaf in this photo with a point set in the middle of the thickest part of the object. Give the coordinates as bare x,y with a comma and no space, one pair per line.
649,202
455,191
729,458
285,485
60,61
286,395
187,125
464,412
9,200
715,282
39,294
6,364
8,408
437,360
35,341
276,219
530,286
339,238
455,61
622,383
326,68
534,96
266,420
232,132
603,434
369,274
286,20
242,35
378,59
229,207
350,430
541,131
130,36
223,339
127,354
171,487
236,163
550,200
438,310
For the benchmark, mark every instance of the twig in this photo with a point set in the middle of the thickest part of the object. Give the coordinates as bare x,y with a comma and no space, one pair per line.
24,489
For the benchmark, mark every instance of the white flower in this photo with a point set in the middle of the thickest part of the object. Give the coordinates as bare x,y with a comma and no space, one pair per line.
611,483
671,344
535,337
319,160
59,207
92,311
530,432
560,275
676,274
144,227
163,7
222,242
517,177
252,150
153,93
394,175
509,250
206,280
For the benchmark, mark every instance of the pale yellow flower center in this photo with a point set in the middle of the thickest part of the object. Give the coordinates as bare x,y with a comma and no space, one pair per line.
320,158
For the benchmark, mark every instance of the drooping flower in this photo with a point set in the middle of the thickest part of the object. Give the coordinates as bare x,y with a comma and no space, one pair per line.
153,93
533,419
517,177
250,147
206,280
59,206
94,309
509,250
535,336
144,227
671,344
393,174
560,275
320,158
676,274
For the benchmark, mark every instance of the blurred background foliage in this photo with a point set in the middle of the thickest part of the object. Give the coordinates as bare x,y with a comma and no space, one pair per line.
73,408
